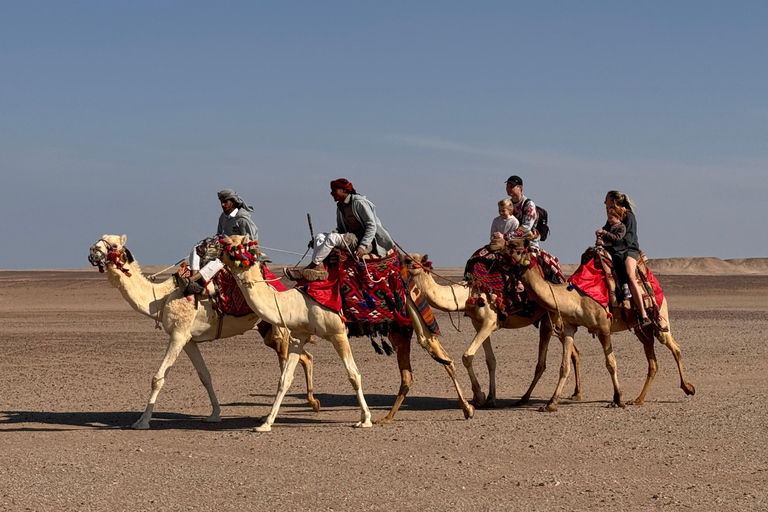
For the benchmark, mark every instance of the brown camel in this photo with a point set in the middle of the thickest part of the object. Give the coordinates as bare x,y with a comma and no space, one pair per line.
187,324
485,321
304,317
577,309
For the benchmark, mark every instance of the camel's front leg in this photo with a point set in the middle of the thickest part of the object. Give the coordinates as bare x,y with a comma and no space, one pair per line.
484,330
403,348
295,347
576,359
175,344
193,352
341,344
610,363
490,362
306,363
565,367
545,333
439,354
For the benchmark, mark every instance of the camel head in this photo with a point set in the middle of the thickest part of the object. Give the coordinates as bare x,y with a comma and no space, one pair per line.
521,255
110,250
416,263
240,251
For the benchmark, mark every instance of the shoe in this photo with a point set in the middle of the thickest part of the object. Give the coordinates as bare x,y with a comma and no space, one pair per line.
188,287
311,274
625,291
645,322
294,274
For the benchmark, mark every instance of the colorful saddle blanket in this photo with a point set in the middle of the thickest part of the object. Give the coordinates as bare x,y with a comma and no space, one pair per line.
491,272
370,294
596,278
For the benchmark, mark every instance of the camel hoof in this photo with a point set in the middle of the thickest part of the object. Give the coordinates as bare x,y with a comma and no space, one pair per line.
636,401
263,428
364,424
550,407
618,404
469,412
140,426
690,390
523,401
479,399
315,403
491,402
213,418
576,396
386,420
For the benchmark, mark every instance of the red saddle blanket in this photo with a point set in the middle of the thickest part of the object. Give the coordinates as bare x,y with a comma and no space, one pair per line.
595,277
227,298
367,293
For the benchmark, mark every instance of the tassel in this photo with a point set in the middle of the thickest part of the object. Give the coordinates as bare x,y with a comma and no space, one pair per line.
387,349
376,347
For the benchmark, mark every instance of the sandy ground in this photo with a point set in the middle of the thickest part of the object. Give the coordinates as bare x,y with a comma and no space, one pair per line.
77,362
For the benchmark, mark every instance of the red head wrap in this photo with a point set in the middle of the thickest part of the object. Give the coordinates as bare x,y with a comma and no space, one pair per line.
342,184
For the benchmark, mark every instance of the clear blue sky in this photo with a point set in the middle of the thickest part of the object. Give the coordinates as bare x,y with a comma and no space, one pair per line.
127,117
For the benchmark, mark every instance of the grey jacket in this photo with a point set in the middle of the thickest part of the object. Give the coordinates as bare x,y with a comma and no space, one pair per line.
240,224
365,213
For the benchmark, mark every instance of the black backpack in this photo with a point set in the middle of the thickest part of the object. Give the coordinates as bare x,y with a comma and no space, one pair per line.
541,224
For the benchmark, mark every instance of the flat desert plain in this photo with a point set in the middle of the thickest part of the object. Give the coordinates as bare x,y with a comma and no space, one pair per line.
77,362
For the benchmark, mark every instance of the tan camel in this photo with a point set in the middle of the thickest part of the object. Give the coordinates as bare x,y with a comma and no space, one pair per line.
186,324
485,321
576,309
304,316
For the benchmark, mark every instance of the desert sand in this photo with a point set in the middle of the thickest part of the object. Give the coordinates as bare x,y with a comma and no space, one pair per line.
77,362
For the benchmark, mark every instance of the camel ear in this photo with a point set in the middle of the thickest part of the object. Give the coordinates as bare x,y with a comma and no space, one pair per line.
122,240
425,258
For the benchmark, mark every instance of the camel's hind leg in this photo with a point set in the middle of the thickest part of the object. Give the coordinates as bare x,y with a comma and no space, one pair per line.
610,363
295,346
576,359
545,334
439,354
666,339
403,348
279,343
650,355
193,352
175,344
490,362
341,344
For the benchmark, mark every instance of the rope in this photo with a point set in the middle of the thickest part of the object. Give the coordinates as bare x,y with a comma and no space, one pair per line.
458,311
280,250
153,276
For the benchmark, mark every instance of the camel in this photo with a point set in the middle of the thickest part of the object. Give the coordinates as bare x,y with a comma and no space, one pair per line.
577,309
304,316
485,321
186,324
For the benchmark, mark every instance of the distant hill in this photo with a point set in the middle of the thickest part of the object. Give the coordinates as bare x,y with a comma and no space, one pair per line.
709,266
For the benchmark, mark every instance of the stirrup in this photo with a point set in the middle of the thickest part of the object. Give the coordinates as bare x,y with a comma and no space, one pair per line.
311,274
294,274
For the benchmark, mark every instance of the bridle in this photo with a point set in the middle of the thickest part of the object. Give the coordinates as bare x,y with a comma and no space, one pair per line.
117,256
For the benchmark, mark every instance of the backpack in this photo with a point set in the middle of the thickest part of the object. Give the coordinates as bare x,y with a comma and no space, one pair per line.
542,221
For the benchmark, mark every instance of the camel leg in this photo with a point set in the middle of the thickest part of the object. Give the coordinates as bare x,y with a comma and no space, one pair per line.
193,352
650,355
610,363
483,332
280,345
490,362
175,345
439,354
403,348
545,333
666,339
341,344
565,368
295,346
576,358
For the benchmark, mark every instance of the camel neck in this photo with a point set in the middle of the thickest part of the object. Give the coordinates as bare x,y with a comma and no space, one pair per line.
446,298
549,296
144,297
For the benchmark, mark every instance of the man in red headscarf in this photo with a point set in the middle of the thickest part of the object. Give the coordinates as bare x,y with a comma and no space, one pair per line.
358,229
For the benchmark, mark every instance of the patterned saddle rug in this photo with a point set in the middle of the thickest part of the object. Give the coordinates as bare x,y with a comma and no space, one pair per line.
370,294
597,279
491,272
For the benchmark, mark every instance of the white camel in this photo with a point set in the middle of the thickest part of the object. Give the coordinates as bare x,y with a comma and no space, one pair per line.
485,320
186,323
304,317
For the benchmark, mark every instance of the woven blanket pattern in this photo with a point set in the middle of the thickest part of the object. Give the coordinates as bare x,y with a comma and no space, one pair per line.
227,298
420,301
373,292
492,272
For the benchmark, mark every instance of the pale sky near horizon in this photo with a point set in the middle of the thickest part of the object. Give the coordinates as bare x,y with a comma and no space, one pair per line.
128,117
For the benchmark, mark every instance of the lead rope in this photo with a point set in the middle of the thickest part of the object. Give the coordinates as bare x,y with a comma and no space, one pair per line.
458,312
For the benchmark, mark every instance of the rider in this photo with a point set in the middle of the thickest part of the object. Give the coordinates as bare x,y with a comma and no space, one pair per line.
235,219
357,228
524,210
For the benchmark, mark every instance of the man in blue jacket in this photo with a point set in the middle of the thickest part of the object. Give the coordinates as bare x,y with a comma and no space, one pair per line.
358,229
